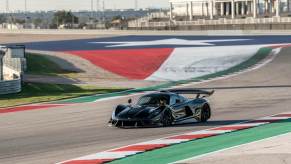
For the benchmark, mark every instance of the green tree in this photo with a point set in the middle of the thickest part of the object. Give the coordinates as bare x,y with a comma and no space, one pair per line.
37,21
3,18
118,17
65,17
19,21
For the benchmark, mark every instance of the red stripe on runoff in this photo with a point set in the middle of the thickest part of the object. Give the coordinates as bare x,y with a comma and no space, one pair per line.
232,128
93,161
282,115
190,137
265,120
281,46
129,63
140,147
28,107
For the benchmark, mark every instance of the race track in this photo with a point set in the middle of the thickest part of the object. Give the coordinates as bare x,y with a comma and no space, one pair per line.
58,134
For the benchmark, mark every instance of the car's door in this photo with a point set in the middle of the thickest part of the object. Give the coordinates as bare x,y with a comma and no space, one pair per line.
177,105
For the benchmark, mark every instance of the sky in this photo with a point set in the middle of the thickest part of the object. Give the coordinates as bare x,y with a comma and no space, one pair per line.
75,5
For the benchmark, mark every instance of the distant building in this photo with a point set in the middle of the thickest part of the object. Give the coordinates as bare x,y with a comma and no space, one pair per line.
92,25
159,14
227,8
30,26
68,26
12,26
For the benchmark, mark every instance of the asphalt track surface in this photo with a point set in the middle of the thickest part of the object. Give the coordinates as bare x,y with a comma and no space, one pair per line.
57,134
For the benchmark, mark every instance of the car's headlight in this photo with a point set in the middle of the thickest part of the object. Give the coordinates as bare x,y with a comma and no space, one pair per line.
113,115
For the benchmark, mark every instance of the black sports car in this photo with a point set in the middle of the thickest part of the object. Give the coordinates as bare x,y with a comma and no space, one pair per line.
163,108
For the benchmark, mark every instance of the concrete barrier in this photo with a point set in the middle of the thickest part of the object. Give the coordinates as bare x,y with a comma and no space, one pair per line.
10,86
13,66
174,30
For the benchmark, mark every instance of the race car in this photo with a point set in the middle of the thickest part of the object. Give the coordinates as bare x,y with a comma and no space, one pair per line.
163,108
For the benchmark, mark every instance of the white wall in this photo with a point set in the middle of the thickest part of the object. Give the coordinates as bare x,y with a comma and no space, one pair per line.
9,73
180,9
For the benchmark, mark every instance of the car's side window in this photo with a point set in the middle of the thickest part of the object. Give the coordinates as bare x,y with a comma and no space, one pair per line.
175,100
172,100
183,99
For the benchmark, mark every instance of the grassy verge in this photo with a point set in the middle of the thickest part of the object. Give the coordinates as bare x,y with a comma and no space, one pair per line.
41,65
35,93
38,64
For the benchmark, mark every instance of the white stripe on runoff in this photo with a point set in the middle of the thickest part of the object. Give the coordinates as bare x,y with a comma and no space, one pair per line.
170,41
163,141
272,118
286,113
245,124
209,132
271,57
191,62
108,155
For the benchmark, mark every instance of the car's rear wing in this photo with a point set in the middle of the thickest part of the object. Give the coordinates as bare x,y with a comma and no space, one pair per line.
198,92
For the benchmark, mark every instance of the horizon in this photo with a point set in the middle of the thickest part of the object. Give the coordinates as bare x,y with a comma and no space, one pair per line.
77,5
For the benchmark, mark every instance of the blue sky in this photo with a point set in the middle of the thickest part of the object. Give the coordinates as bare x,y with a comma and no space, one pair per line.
36,5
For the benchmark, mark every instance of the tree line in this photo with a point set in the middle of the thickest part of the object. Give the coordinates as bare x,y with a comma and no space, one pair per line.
63,18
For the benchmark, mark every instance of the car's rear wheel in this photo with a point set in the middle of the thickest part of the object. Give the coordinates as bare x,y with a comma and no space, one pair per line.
205,113
167,118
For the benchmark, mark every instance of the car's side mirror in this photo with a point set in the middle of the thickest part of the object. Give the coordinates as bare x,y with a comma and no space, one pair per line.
178,101
129,101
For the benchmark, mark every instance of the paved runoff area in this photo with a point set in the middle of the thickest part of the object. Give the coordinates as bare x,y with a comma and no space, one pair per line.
270,150
162,58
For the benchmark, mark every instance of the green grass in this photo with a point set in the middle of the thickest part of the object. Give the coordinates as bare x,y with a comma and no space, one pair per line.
35,93
38,64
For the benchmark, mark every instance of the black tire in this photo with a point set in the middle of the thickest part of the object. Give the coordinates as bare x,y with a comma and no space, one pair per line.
205,113
167,118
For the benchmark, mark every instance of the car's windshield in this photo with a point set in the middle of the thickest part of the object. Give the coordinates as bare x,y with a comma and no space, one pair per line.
154,99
